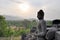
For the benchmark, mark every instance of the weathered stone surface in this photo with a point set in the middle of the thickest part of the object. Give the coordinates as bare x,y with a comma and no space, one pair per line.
57,35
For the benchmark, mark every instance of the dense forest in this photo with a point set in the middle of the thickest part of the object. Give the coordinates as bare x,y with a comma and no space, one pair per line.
26,23
17,28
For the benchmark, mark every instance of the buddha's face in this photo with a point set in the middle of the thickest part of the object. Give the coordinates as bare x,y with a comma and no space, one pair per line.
39,17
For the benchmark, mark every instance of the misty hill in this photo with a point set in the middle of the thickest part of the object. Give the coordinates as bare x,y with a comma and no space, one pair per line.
12,17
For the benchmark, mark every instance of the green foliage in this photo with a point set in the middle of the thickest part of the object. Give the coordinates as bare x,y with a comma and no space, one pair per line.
24,23
3,26
20,32
6,31
48,23
1,17
33,23
27,24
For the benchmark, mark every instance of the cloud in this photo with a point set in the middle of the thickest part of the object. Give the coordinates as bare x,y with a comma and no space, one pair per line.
50,7
53,10
38,3
16,1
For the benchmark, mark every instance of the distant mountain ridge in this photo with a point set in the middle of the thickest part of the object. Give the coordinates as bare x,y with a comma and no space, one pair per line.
8,17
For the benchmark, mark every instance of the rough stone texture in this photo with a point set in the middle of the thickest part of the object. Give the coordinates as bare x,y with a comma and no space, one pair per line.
57,35
32,36
35,38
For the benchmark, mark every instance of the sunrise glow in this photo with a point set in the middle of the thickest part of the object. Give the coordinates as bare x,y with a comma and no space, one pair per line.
24,7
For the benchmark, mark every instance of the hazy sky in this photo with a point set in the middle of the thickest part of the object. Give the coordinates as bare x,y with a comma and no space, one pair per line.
31,7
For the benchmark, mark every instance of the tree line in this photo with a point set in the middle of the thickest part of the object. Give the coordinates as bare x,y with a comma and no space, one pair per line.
6,31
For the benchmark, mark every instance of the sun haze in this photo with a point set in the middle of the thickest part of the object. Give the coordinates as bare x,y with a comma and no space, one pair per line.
29,8
24,7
